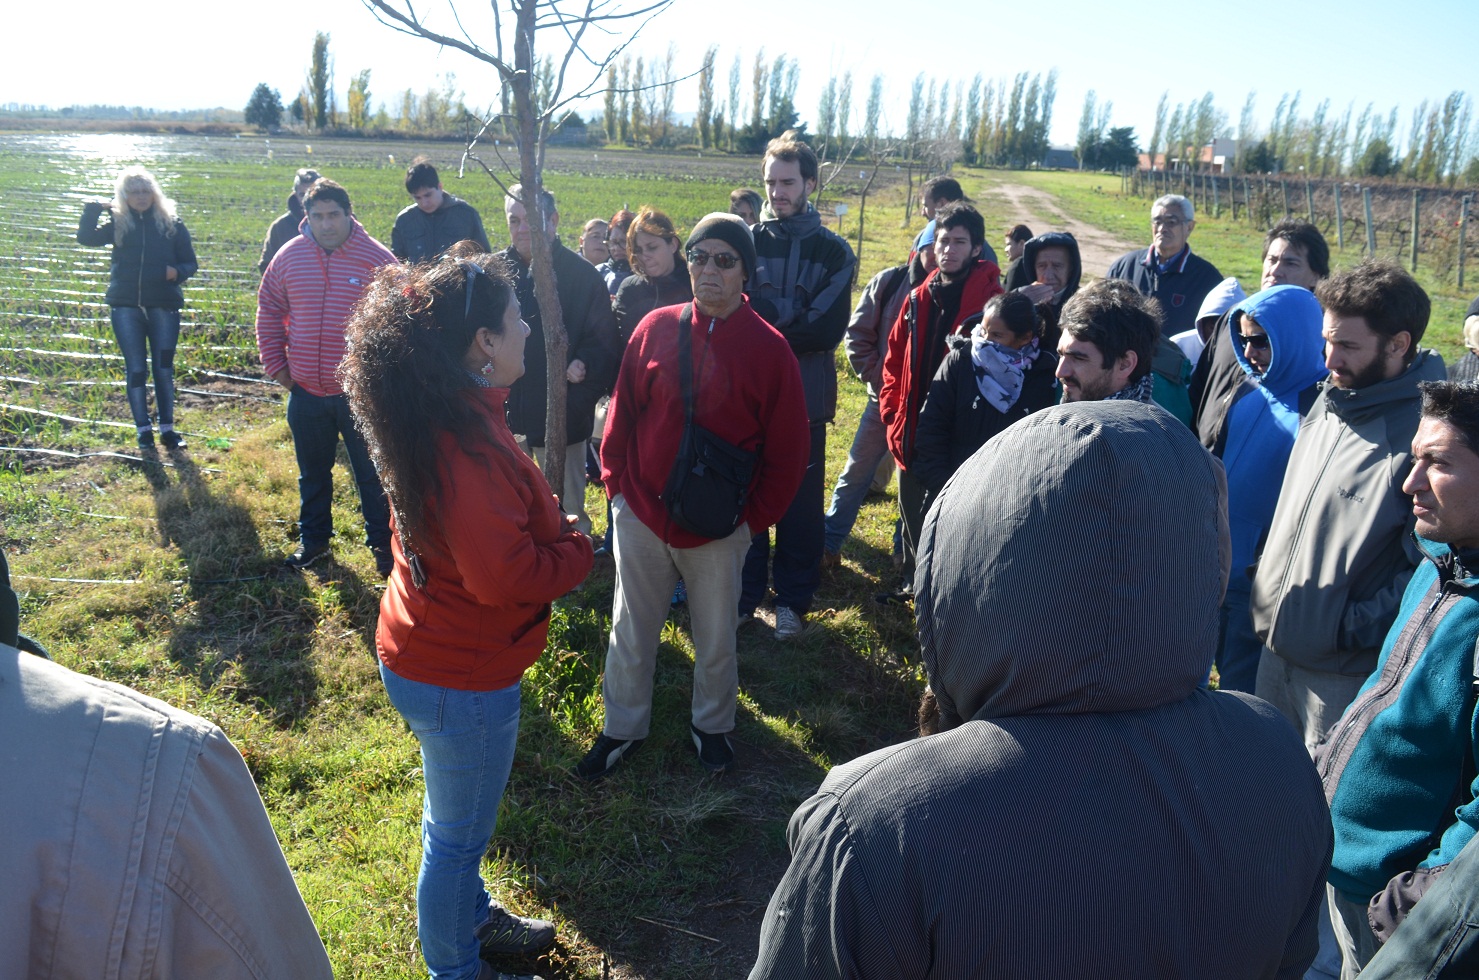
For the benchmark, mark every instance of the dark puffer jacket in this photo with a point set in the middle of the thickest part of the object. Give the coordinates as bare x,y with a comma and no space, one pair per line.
1097,812
956,420
282,231
421,237
638,296
136,276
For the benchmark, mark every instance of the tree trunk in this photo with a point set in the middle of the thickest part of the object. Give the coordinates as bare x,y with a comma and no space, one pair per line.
551,318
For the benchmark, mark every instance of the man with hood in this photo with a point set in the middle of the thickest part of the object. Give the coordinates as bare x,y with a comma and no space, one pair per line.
1340,549
285,228
1088,808
866,340
1056,269
437,220
1227,294
1294,254
307,295
1277,339
918,342
802,286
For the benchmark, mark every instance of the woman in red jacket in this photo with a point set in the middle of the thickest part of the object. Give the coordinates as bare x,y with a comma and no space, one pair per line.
481,548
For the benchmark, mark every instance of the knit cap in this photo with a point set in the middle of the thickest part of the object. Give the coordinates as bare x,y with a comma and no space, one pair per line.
729,229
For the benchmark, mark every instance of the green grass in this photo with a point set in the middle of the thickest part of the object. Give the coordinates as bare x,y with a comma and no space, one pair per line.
200,614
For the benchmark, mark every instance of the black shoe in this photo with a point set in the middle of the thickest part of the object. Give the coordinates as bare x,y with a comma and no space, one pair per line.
900,598
604,755
172,440
306,555
384,560
506,934
146,439
714,751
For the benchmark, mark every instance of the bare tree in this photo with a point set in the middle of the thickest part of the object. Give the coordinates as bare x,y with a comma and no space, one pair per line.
517,28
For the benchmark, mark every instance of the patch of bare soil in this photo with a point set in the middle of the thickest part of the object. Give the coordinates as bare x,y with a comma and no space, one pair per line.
1035,208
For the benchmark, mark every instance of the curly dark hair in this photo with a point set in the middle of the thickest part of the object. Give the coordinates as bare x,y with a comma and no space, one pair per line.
404,375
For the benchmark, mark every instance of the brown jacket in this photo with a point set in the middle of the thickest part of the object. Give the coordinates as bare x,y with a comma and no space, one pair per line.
136,845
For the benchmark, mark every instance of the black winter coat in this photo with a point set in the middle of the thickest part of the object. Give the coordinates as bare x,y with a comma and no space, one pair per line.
956,420
591,331
136,276
638,296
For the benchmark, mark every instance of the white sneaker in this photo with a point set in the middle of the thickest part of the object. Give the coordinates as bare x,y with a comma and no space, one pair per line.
788,623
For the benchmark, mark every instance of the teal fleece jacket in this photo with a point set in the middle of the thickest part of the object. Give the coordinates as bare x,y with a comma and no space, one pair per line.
1392,764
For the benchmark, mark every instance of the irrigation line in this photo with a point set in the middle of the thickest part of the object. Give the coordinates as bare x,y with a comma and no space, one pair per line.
64,418
106,454
62,353
140,581
233,377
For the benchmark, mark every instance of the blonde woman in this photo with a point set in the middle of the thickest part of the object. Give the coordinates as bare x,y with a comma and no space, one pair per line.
152,256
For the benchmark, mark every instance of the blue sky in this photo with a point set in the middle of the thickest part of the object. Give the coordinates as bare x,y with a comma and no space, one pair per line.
174,55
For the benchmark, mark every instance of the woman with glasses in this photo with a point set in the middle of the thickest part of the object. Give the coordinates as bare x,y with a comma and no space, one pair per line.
661,277
152,256
481,549
746,391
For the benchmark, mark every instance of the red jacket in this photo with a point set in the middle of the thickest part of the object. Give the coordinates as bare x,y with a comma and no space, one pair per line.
748,392
496,552
916,346
304,303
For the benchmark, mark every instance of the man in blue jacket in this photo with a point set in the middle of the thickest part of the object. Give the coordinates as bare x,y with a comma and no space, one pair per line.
1398,767
1168,271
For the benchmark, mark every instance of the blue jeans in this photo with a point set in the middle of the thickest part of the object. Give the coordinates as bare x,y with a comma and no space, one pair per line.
869,446
159,329
798,541
467,750
317,423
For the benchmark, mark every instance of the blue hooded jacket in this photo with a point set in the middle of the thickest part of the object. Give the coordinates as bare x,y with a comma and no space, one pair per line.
1263,422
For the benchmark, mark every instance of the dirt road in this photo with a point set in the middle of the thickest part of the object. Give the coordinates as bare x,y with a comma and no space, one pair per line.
1036,209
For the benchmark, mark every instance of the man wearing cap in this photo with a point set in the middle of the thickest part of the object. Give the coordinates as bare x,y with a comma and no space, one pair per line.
747,391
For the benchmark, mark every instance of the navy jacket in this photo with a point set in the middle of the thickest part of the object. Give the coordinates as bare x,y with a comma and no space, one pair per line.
1180,289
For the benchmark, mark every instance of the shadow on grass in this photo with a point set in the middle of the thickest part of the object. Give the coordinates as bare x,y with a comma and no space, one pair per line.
251,629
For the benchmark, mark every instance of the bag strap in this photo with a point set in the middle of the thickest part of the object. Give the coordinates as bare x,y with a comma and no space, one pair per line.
685,362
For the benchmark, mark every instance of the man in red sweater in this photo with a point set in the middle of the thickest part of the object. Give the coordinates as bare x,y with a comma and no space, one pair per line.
306,297
747,391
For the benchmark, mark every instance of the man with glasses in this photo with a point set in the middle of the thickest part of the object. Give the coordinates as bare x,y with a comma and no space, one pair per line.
1168,271
746,390
801,284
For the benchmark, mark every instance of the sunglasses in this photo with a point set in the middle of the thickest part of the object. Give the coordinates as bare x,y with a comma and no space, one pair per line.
698,258
473,270
1259,342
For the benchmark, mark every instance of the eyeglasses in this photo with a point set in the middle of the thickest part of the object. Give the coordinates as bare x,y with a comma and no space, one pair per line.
1166,221
473,270
1257,342
698,258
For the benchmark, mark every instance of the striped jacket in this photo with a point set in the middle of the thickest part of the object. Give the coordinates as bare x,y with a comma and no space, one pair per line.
304,302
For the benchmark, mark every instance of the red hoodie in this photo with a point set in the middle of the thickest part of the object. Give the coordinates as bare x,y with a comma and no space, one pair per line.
910,360
496,552
747,388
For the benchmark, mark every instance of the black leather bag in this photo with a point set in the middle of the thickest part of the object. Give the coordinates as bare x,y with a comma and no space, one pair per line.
709,483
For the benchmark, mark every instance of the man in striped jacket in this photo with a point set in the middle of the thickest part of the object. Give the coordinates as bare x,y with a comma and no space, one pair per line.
303,304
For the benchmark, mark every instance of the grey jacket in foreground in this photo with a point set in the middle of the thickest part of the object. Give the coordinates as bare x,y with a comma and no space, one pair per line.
1340,551
136,845
872,318
1101,814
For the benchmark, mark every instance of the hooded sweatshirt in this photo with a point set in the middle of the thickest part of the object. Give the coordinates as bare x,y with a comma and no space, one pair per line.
1049,311
1229,293
1263,423
1100,813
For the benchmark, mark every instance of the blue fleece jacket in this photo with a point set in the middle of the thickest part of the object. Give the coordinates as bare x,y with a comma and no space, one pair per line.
1263,422
1393,762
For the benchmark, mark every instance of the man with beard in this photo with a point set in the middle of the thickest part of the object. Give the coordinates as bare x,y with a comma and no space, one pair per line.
919,340
802,286
1340,549
1109,338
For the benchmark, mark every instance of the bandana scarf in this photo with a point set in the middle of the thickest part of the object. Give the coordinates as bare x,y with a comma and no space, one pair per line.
1135,391
999,369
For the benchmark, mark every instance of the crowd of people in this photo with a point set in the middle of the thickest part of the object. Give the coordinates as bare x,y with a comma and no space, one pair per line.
1195,570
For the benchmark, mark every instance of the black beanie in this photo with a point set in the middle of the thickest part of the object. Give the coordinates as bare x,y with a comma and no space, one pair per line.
1473,308
729,229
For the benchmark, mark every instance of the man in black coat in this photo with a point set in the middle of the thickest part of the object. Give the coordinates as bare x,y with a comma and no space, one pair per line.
593,350
285,228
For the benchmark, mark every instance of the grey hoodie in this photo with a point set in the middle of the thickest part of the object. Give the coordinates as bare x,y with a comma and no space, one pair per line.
1101,814
1340,551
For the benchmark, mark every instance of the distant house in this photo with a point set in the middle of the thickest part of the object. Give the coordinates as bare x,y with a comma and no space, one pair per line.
1060,158
1216,157
572,132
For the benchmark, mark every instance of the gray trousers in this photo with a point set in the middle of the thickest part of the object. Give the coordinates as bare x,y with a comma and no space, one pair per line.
572,495
647,568
1352,933
1312,700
